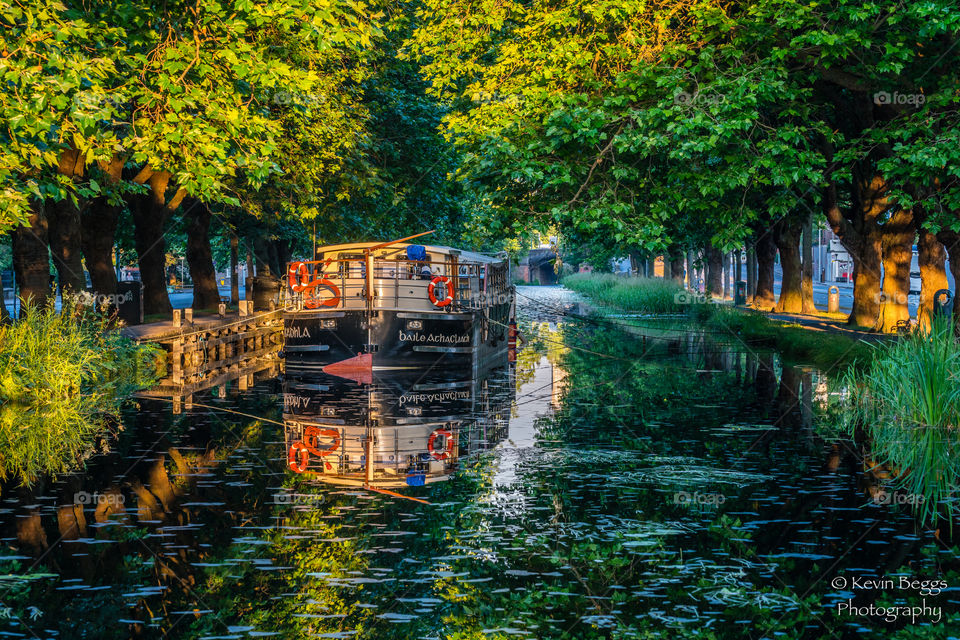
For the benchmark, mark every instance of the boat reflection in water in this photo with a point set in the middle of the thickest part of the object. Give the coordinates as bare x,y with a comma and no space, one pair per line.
402,429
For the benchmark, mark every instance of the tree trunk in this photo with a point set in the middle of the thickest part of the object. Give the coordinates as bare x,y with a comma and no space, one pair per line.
97,234
931,257
248,281
806,271
866,283
766,251
63,231
149,217
787,238
751,273
234,269
676,267
951,242
691,270
99,227
31,259
899,233
714,271
206,295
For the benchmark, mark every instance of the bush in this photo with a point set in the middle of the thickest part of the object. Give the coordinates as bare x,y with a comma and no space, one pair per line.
61,375
644,295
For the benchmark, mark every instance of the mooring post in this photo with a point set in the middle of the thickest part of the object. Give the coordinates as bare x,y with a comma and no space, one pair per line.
222,309
188,315
243,308
177,322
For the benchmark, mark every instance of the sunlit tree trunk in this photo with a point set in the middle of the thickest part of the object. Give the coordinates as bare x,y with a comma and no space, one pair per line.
931,256
899,233
787,238
206,295
766,250
860,234
806,271
31,258
751,273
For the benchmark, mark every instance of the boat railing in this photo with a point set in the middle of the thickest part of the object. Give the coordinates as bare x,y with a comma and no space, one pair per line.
337,284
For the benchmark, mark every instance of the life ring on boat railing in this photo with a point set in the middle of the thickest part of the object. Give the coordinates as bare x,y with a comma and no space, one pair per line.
448,286
312,301
447,450
298,276
298,457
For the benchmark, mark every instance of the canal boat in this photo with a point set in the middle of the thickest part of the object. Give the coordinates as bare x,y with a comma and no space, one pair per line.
365,307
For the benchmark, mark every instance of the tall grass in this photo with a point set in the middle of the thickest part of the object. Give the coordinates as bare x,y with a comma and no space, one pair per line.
908,400
61,375
645,295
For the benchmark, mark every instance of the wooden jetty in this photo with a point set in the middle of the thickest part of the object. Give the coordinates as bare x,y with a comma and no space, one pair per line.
209,351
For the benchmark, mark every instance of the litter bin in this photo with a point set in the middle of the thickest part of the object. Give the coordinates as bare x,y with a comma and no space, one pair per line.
740,293
943,303
130,302
833,299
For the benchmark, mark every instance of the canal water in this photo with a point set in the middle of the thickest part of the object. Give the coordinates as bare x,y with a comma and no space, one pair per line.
648,482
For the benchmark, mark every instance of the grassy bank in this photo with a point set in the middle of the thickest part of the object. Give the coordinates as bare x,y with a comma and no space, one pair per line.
908,401
655,295
640,295
61,377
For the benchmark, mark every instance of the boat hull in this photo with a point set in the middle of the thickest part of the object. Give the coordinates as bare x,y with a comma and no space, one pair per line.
394,340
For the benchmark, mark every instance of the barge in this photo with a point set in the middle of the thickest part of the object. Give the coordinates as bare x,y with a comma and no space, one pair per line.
366,307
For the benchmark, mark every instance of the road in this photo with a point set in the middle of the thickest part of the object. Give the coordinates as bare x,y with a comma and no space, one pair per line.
178,299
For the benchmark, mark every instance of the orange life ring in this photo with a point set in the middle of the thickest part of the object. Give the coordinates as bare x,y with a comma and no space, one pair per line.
447,451
310,299
298,276
299,455
447,285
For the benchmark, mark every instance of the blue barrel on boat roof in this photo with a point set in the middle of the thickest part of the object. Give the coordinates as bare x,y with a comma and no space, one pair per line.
417,252
417,479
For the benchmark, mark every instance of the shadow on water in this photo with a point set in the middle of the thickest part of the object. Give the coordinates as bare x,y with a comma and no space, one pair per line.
605,485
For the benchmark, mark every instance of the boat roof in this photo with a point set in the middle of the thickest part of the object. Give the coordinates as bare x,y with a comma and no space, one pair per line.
463,255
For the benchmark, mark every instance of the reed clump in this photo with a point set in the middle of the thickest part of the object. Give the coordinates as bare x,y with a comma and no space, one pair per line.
62,376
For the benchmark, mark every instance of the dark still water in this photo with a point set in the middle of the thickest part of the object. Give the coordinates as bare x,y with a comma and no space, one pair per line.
650,484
